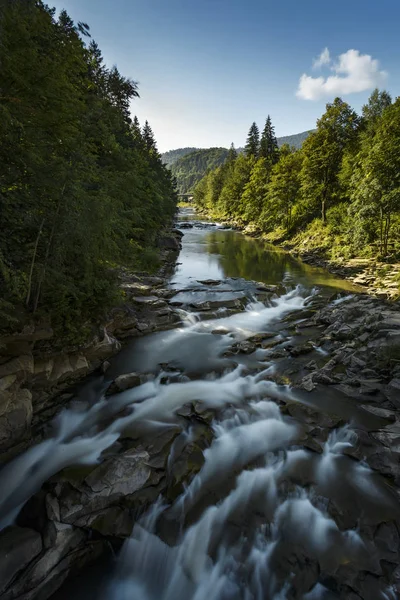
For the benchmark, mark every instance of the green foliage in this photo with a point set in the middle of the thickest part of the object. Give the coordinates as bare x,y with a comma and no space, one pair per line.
323,153
375,185
81,187
339,194
269,144
170,157
189,169
252,147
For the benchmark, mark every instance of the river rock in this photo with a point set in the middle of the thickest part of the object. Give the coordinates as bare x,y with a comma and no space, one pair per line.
15,416
7,381
170,242
18,547
21,367
64,538
124,382
86,503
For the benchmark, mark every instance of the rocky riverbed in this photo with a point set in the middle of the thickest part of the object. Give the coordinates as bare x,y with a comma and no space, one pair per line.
35,375
249,437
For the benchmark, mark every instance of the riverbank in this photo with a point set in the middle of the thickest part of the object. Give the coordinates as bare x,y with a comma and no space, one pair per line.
378,278
36,375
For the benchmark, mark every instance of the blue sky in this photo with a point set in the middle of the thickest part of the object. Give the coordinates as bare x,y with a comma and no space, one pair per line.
208,68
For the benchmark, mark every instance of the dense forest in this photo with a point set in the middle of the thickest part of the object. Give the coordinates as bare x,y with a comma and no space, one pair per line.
170,157
189,165
83,188
189,169
339,194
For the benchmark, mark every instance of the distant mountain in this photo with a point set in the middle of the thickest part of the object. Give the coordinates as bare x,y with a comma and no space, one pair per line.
190,168
172,156
295,140
189,165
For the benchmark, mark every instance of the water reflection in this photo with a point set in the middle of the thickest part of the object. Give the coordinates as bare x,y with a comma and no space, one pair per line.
217,254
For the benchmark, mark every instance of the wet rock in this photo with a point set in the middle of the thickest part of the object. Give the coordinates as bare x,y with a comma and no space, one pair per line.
307,384
7,382
21,367
170,242
105,366
245,347
15,416
387,538
303,349
107,485
307,414
209,281
379,412
124,382
311,366
18,547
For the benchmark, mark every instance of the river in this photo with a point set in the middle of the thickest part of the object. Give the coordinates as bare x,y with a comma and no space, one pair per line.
252,510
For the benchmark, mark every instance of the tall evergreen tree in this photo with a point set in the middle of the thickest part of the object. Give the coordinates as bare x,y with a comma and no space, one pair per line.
232,155
148,138
252,147
269,145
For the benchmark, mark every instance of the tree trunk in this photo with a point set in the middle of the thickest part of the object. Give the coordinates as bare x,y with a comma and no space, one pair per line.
323,210
28,295
386,234
49,244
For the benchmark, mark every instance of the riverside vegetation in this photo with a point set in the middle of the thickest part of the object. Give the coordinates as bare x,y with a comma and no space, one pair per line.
337,196
83,188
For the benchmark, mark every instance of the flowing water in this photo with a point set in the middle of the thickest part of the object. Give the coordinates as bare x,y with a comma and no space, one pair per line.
253,519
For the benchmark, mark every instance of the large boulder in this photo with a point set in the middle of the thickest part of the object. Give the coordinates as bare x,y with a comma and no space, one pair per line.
124,382
97,502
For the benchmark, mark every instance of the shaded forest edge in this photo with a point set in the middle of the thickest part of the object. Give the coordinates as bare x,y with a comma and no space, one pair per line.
335,201
84,193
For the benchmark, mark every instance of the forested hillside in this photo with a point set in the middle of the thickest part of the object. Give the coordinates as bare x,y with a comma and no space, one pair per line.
168,158
296,140
189,169
83,188
339,194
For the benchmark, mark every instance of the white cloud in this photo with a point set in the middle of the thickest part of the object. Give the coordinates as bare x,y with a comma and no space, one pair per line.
354,72
323,59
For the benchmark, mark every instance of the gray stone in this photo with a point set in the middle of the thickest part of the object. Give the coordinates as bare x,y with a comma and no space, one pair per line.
124,382
21,366
107,485
15,416
7,382
18,547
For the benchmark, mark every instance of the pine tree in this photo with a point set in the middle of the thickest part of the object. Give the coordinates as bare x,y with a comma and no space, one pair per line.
148,138
232,155
252,147
269,145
